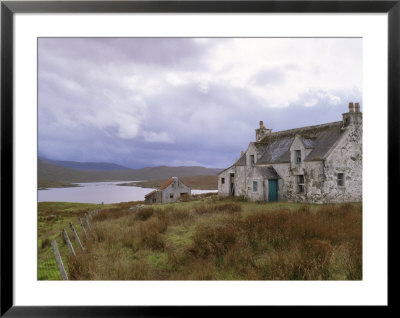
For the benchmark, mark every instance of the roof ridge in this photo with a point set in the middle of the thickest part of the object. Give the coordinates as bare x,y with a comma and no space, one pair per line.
167,183
282,132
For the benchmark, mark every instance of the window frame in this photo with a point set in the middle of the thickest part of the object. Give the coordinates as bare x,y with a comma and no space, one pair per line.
300,186
297,156
255,186
252,160
340,180
222,180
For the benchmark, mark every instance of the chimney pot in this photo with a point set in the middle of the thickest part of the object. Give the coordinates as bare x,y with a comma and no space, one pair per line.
357,107
241,153
351,108
261,123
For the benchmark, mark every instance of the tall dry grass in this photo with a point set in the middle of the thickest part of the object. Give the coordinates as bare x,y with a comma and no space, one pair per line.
222,242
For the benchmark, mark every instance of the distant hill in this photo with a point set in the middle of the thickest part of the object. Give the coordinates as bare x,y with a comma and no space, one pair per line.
84,165
52,172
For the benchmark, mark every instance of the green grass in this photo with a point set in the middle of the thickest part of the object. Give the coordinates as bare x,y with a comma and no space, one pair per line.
53,217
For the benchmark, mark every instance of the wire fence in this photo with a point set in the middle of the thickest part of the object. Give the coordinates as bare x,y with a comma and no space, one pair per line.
53,263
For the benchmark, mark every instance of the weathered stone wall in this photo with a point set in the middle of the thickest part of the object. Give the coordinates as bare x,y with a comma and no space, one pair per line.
260,194
223,188
241,181
346,158
313,181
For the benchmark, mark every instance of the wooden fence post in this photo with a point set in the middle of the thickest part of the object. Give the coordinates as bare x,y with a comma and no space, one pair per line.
66,238
76,236
83,228
59,260
87,221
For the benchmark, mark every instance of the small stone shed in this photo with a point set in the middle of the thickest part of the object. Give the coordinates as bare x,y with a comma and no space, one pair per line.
171,191
315,164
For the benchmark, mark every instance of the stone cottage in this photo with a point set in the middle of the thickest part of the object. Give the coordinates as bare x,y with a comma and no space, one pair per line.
171,191
315,164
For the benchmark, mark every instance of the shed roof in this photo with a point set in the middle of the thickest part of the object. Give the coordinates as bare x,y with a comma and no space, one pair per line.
167,183
150,193
275,147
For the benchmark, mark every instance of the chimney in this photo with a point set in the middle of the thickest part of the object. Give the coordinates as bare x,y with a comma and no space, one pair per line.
241,153
353,116
262,131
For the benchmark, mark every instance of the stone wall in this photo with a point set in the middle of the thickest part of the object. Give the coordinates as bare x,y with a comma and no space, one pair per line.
346,158
223,188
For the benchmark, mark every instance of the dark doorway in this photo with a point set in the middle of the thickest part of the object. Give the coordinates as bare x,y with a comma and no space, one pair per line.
232,184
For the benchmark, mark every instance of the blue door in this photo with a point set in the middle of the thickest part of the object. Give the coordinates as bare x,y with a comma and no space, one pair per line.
272,190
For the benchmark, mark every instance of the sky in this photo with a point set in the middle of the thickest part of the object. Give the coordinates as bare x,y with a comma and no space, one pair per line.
142,102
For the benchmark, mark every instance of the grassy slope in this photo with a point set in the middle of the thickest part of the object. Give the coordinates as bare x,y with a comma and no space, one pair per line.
209,182
223,240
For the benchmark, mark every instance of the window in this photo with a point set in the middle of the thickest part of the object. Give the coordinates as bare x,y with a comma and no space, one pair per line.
340,179
252,160
154,200
254,186
298,156
171,196
300,183
222,180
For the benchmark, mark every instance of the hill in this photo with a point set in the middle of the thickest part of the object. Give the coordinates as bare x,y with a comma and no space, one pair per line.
84,165
52,172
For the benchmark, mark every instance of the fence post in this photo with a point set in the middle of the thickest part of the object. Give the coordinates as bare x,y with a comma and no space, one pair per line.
66,238
87,221
83,228
59,260
76,236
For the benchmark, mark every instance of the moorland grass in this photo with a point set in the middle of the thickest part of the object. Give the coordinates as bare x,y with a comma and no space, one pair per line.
223,239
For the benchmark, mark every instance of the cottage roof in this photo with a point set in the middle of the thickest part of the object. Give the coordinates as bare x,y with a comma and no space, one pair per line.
167,183
150,193
241,161
275,147
268,172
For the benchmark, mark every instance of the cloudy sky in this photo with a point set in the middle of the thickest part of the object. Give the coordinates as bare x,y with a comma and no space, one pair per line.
181,101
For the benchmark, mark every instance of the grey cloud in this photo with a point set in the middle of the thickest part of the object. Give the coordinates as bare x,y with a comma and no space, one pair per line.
89,112
269,76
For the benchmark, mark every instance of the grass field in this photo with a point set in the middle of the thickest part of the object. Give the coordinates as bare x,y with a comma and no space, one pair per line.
52,218
221,239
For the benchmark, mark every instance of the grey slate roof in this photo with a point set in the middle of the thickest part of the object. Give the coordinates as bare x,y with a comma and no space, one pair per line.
275,147
241,161
268,172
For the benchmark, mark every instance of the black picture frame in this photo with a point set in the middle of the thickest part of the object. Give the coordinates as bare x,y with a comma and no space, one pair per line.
8,8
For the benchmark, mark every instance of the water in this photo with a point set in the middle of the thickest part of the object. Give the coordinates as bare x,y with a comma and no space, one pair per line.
97,192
